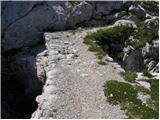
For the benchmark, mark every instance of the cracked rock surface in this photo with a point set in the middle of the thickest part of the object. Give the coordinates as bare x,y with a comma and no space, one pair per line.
74,84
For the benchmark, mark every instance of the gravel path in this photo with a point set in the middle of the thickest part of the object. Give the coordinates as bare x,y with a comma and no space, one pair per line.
74,85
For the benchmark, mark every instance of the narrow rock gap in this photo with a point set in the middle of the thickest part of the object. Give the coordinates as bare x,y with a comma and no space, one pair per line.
19,95
13,93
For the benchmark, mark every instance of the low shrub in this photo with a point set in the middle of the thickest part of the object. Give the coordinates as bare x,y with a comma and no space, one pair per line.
147,74
129,76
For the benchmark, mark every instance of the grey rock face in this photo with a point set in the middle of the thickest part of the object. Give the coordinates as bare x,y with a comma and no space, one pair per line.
14,10
24,67
156,68
134,61
126,22
79,13
107,7
152,22
138,10
28,30
5,71
152,64
151,51
131,17
120,14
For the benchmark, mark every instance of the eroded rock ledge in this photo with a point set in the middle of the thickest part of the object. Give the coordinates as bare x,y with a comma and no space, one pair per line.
24,55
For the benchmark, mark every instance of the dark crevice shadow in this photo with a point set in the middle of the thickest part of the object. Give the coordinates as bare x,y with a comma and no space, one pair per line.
20,84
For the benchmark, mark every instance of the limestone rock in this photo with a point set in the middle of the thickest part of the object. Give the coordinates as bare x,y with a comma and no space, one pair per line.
78,14
107,7
126,22
14,10
151,64
151,51
134,61
120,14
137,10
131,17
152,22
28,30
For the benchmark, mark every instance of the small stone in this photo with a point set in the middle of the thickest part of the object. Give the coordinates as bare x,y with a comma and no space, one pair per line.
83,75
144,84
66,43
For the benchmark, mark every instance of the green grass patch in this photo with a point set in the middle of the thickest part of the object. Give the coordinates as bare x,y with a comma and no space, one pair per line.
142,89
102,62
94,48
147,74
119,36
97,40
118,92
144,35
129,76
154,93
139,111
125,95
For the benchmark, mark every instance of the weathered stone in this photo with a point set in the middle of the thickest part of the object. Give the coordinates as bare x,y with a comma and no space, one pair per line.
152,22
134,61
15,10
120,14
137,10
27,31
107,7
144,98
156,69
126,22
79,14
151,51
151,64
128,49
131,17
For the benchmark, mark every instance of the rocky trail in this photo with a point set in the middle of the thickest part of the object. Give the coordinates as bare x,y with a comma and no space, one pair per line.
74,80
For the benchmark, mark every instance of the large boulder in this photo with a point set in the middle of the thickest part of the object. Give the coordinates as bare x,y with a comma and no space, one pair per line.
14,10
79,13
27,30
134,60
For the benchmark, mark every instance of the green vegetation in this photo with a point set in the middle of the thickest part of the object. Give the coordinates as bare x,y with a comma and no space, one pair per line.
75,2
95,48
129,76
113,35
102,62
125,95
147,74
119,35
140,111
144,35
117,92
142,89
154,102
